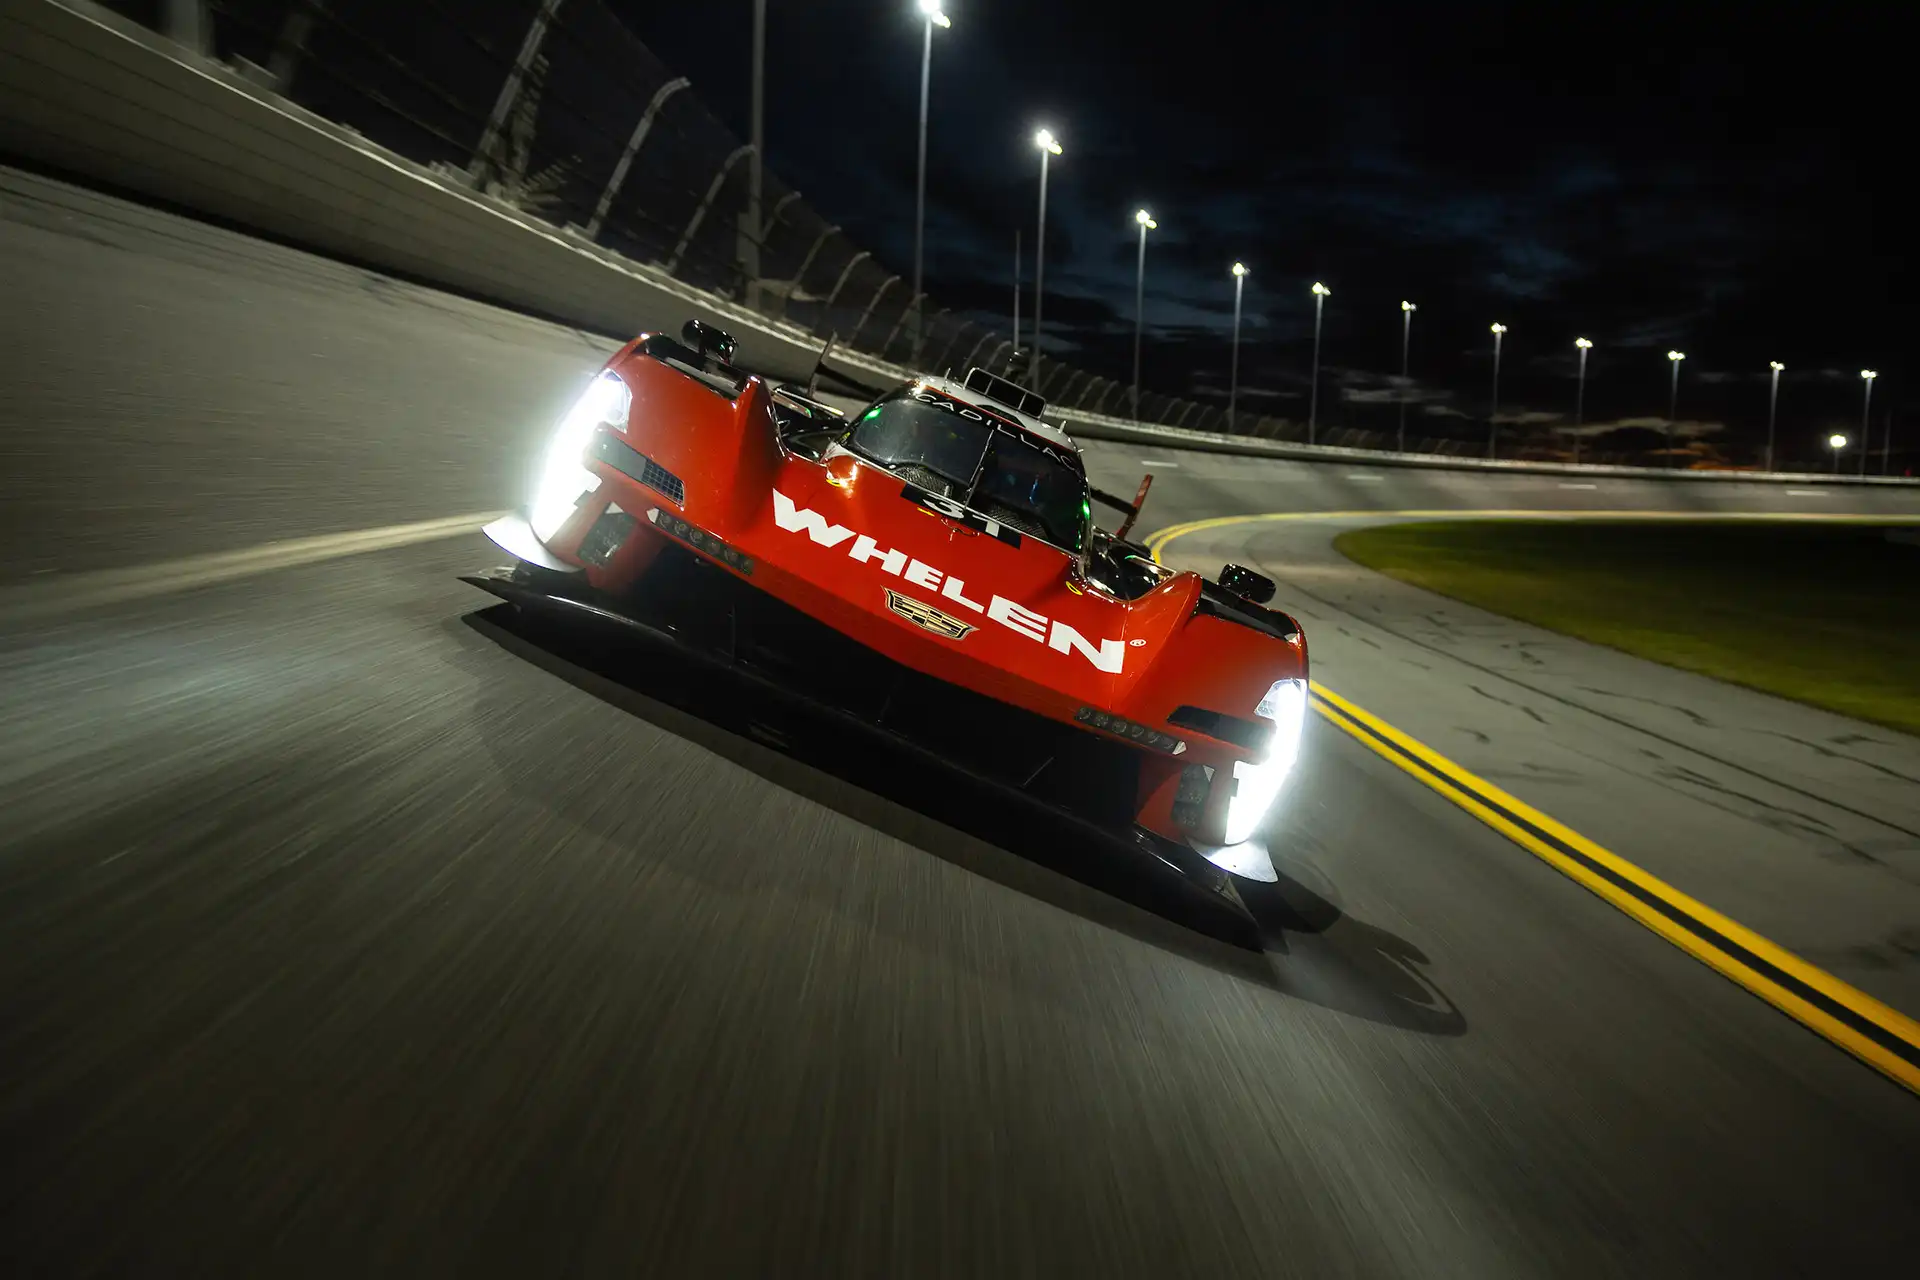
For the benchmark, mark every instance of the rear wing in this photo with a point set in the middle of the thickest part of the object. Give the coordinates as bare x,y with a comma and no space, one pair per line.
1121,504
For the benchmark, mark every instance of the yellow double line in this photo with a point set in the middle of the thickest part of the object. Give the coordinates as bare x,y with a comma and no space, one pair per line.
1877,1034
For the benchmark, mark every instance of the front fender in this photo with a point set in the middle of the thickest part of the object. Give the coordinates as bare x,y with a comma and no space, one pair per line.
1211,665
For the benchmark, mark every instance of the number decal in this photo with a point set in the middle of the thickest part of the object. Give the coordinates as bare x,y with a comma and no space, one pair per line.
954,511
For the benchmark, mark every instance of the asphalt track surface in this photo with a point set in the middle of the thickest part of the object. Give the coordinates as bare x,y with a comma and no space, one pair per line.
344,929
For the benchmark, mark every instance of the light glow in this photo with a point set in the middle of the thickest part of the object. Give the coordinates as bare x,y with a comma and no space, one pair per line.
1836,441
1145,219
1408,306
931,8
564,476
1582,343
1046,142
1257,783
1676,356
1868,374
1775,365
1322,290
1498,328
1239,268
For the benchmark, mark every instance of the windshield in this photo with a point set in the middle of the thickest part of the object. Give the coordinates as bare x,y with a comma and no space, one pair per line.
1030,489
957,451
927,441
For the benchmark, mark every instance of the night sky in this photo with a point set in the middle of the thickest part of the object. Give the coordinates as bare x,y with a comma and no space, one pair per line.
1718,179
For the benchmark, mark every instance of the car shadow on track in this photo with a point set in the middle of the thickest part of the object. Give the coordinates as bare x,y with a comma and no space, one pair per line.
1300,945
1324,956
864,775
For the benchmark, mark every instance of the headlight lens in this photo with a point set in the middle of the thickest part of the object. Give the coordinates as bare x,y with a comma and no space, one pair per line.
1258,782
563,476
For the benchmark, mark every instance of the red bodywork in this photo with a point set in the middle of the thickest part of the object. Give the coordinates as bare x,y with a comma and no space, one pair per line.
1026,605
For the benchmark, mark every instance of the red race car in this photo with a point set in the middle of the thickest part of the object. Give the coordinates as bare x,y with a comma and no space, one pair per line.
933,559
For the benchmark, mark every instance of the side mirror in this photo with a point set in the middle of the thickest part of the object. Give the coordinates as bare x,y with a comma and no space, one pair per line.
1247,584
708,340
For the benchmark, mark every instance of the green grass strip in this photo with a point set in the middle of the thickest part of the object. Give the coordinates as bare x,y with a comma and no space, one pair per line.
1828,615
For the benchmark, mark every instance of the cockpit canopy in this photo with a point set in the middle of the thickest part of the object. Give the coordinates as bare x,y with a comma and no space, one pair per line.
973,457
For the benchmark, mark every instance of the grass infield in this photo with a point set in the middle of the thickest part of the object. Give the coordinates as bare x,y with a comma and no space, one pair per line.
1825,614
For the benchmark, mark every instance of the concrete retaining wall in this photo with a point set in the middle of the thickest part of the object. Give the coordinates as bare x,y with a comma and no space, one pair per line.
87,92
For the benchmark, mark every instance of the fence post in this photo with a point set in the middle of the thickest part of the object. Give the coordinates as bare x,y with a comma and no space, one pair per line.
841,283
773,219
291,43
933,322
1191,406
700,214
529,49
1004,344
894,332
966,364
794,284
755,239
640,132
872,302
952,342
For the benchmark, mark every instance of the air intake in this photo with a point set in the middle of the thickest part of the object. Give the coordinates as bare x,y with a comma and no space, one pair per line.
1001,391
630,462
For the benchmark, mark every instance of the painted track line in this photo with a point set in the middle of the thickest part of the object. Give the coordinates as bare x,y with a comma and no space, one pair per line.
1874,1032
51,597
1877,1034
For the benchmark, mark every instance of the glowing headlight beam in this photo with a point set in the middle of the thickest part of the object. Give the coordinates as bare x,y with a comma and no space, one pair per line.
1257,783
564,476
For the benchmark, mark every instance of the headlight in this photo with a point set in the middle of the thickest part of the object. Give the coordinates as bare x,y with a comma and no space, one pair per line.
563,476
1257,782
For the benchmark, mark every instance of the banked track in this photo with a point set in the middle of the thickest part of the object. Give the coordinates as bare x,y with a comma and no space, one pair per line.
349,933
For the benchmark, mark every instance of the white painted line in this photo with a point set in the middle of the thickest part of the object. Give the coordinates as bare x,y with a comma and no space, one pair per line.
1806,493
1579,486
1368,479
46,597
1158,462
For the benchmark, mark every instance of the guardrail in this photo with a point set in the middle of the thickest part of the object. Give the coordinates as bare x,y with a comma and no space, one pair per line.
90,93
